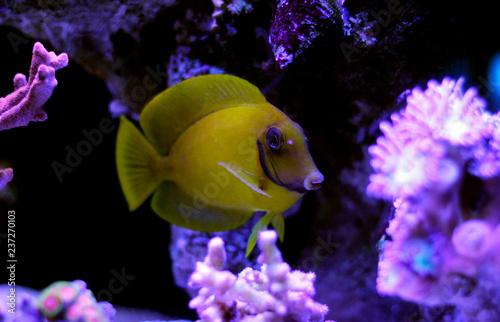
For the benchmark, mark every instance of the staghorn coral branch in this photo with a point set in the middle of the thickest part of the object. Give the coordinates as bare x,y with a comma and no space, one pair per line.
25,103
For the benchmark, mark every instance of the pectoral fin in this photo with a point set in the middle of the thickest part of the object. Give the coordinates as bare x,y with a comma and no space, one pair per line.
279,224
261,225
251,180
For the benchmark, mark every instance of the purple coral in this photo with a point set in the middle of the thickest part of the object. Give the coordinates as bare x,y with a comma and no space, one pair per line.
275,293
439,161
297,24
5,177
72,301
25,103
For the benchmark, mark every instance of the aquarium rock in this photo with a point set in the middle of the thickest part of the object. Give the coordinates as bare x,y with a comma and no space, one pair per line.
19,304
438,161
189,246
104,37
297,24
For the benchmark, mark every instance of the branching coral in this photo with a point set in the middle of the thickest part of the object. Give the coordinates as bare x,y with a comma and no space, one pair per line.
439,161
275,293
25,103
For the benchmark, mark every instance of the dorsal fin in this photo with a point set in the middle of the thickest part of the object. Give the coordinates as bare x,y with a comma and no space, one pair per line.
171,112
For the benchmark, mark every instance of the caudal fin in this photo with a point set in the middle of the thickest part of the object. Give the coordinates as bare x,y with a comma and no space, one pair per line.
137,163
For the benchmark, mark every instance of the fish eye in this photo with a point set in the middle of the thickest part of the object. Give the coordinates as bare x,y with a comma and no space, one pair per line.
274,138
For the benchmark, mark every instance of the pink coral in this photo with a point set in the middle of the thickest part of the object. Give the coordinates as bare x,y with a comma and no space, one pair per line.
417,149
25,103
5,177
438,161
273,294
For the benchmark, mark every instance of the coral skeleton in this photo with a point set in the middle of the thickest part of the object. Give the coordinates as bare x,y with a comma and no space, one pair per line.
25,103
439,162
275,293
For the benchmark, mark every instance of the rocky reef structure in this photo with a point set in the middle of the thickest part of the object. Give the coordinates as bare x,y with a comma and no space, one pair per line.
439,161
72,301
275,293
105,46
25,104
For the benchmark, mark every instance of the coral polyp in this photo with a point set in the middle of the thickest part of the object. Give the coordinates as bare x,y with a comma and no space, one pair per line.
72,301
422,144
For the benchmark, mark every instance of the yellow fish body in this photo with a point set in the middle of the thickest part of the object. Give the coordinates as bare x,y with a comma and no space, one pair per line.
213,152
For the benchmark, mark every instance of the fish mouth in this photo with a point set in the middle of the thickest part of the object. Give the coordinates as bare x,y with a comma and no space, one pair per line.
314,180
311,182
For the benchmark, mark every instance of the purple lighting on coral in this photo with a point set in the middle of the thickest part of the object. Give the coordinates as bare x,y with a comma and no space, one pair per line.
417,148
435,156
5,176
72,301
25,103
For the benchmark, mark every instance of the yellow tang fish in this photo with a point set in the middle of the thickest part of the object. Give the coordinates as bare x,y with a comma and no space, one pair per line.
213,152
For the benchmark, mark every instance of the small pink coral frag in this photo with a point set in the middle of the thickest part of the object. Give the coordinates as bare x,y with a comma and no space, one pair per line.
472,238
25,103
